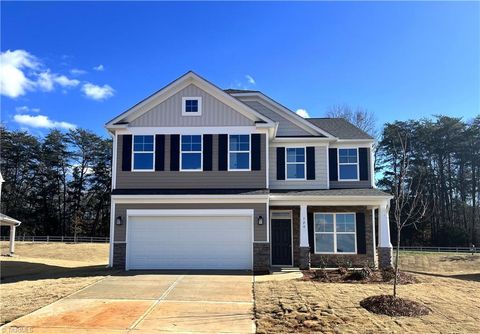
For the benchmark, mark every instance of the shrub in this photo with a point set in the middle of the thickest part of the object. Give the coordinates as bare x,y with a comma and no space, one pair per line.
388,274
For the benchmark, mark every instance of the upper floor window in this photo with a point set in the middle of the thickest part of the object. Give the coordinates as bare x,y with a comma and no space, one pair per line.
295,163
191,106
239,152
143,151
191,153
348,164
335,233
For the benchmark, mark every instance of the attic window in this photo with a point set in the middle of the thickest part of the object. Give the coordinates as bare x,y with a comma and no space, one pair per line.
191,106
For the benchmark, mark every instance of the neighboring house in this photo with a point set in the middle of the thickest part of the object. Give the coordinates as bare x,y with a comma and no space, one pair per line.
8,221
205,178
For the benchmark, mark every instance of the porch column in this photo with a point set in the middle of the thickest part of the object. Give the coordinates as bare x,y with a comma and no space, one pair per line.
384,243
12,239
304,243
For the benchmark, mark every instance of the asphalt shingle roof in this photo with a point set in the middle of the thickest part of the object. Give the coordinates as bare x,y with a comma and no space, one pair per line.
339,128
331,192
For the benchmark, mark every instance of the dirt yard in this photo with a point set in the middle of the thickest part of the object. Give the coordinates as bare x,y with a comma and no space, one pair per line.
449,286
41,273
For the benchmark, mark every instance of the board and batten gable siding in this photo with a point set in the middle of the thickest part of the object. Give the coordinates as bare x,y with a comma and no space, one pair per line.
260,209
169,112
321,175
285,127
354,184
214,179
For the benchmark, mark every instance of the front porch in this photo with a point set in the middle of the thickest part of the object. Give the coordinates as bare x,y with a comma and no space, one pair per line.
330,228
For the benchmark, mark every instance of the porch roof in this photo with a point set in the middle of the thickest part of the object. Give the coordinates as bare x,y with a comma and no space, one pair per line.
8,221
331,192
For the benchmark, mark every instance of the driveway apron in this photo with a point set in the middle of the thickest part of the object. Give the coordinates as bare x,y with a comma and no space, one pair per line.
149,302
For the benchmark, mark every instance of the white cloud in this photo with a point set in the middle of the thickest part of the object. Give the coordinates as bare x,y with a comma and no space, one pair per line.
99,68
21,71
77,71
41,121
13,81
250,79
66,82
97,92
24,109
303,113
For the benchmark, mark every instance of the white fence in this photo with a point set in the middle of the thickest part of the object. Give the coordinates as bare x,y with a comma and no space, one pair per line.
53,238
441,249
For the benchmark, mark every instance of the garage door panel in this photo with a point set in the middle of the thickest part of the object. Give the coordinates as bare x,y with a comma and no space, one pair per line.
189,242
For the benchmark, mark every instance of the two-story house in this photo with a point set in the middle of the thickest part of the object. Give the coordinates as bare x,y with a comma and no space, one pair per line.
205,178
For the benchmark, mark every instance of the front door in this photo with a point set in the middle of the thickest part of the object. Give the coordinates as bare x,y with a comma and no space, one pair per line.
281,238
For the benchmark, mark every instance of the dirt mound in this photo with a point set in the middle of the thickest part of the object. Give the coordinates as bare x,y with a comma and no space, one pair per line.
394,306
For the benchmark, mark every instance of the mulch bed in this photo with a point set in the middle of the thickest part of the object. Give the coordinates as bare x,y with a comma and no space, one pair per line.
361,276
394,306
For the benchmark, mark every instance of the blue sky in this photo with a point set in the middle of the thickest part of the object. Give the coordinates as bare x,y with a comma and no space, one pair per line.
80,64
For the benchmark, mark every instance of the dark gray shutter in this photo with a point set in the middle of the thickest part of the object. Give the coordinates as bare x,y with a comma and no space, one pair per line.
127,153
311,233
311,163
222,152
159,152
280,163
332,164
256,152
207,152
361,238
174,152
363,163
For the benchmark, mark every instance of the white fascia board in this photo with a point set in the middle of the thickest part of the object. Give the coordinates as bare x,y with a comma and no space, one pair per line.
351,144
191,212
298,120
329,200
191,130
301,140
179,84
203,199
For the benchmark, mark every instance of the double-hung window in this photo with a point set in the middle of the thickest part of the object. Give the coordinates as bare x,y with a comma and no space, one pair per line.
348,164
335,233
143,151
295,163
191,153
239,152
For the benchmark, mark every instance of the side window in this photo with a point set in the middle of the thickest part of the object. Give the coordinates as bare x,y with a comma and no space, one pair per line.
191,153
295,163
348,164
191,106
239,152
143,151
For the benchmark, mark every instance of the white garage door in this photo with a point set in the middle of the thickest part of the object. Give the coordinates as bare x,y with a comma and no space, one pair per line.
201,241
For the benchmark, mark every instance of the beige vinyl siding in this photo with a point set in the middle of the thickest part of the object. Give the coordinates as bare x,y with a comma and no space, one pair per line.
191,180
285,128
321,176
260,209
169,112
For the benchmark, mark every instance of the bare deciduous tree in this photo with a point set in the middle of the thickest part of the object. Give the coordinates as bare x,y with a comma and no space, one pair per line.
410,205
360,117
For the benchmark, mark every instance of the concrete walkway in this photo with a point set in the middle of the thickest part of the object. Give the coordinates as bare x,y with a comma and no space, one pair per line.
137,302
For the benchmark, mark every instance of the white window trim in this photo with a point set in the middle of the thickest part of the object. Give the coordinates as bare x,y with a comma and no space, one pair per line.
348,163
133,155
201,155
249,153
296,163
335,232
185,113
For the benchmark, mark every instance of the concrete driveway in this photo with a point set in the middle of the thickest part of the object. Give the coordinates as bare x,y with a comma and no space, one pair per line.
148,302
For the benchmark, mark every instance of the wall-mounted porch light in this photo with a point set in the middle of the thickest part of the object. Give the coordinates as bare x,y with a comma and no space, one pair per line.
260,220
118,220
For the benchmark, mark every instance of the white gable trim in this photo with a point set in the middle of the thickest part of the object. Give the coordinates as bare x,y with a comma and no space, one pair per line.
285,112
179,84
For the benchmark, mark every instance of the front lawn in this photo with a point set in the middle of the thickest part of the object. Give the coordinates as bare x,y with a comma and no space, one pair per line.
305,306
